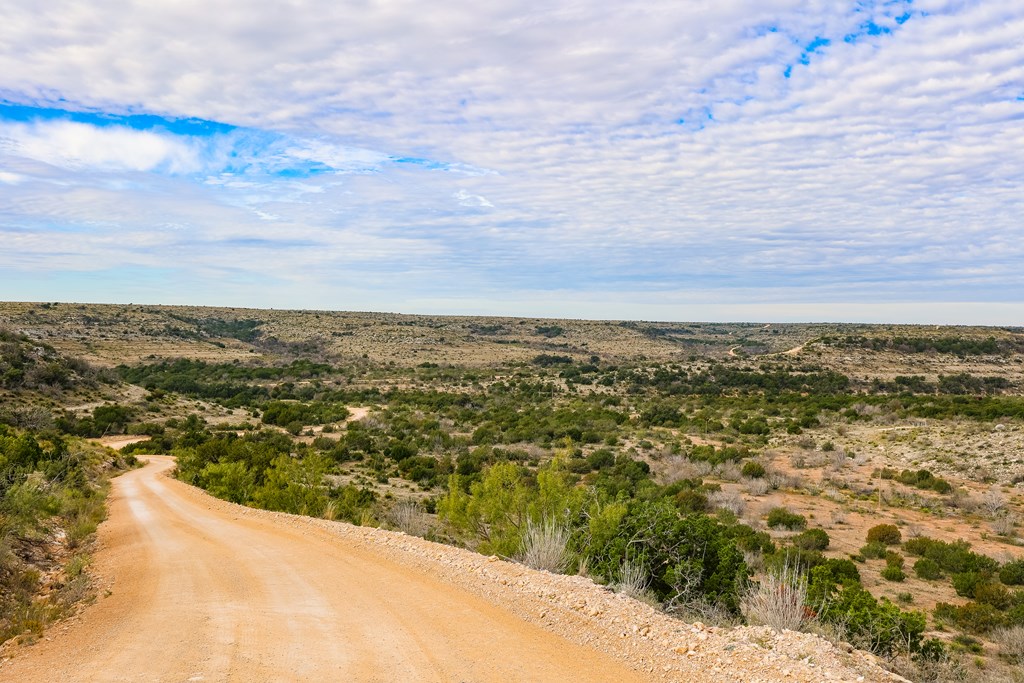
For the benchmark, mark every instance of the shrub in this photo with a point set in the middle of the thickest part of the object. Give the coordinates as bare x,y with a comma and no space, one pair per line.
752,470
1012,573
888,534
812,539
993,593
894,559
874,550
842,571
686,557
875,625
926,568
954,558
891,573
973,617
690,500
965,583
408,517
728,500
781,517
966,643
923,479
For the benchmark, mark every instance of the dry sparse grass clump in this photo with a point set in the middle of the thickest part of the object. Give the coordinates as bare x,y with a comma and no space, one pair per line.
778,600
728,500
545,546
993,501
1011,643
728,471
409,518
1005,524
757,487
676,468
633,580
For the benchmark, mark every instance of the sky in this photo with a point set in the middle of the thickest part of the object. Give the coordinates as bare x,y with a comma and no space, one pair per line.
749,160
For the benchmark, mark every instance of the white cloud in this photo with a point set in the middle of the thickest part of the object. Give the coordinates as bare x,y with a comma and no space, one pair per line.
467,199
635,147
82,146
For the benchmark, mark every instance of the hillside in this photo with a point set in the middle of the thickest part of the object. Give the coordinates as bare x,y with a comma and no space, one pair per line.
784,444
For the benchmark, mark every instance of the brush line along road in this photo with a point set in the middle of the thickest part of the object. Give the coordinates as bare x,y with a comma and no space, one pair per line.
201,591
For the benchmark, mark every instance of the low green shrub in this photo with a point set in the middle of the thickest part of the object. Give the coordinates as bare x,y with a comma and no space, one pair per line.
894,559
891,573
888,534
965,583
812,539
874,550
953,558
993,593
973,617
929,569
782,518
875,625
1012,573
753,470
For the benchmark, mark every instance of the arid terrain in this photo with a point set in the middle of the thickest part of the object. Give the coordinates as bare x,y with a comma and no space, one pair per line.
794,443
198,589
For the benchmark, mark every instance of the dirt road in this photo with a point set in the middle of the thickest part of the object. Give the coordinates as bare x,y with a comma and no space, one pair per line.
202,591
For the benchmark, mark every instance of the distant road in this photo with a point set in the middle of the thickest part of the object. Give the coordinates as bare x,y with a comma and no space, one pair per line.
202,591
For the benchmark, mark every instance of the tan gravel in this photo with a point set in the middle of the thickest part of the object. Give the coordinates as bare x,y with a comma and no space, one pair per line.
197,589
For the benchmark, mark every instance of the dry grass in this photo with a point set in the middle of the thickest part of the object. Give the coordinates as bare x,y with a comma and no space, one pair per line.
633,579
409,518
545,546
728,500
778,600
757,487
1011,643
1005,524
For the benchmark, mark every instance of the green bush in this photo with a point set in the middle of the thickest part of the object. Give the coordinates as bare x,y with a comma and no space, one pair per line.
844,571
891,573
923,479
1012,573
993,593
753,470
888,534
690,500
894,559
966,643
874,550
812,539
953,558
974,617
875,625
929,569
781,517
685,557
965,583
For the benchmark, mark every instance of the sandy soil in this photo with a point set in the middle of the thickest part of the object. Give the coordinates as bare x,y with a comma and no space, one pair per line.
120,441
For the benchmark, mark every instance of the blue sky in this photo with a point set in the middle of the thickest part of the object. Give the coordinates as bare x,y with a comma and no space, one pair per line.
744,160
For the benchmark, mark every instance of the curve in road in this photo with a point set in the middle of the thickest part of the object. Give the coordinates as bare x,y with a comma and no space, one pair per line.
200,592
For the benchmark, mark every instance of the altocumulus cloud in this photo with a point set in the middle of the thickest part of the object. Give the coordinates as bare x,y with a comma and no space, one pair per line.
769,159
